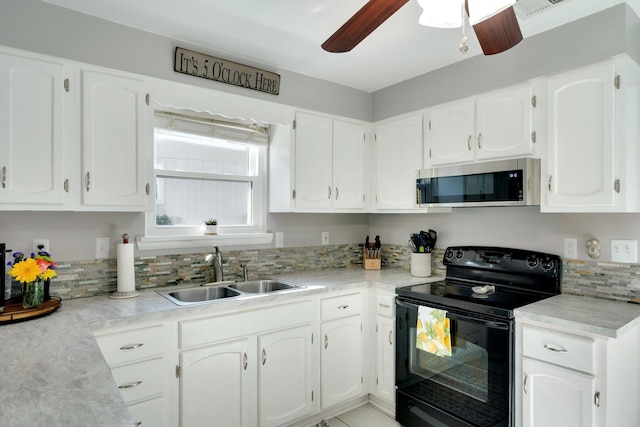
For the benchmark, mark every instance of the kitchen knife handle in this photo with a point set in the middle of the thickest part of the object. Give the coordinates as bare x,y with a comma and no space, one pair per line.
329,193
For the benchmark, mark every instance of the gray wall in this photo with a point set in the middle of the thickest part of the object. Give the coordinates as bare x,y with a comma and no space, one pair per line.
39,27
610,32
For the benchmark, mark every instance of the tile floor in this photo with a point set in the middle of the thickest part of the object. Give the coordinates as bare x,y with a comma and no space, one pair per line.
364,416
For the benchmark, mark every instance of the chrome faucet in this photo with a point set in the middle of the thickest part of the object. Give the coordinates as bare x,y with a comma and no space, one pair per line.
245,272
216,261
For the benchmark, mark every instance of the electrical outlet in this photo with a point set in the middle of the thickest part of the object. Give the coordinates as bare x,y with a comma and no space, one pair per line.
102,247
624,250
570,248
40,242
279,239
325,237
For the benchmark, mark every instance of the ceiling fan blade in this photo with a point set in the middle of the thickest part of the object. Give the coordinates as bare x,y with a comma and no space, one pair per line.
367,19
498,33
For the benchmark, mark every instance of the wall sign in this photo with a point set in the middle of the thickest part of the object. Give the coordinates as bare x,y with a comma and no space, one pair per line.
212,68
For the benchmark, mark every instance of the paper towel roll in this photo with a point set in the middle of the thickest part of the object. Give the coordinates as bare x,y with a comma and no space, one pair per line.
126,273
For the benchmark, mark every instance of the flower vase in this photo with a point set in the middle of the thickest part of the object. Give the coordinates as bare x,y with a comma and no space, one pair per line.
32,294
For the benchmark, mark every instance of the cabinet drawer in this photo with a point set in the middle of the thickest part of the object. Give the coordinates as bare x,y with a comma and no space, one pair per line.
139,380
125,347
149,413
219,328
385,305
571,351
340,306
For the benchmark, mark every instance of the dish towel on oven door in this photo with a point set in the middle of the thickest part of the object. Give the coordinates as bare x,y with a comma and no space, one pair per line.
433,333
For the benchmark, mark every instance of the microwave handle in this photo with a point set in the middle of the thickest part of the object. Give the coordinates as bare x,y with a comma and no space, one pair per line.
456,316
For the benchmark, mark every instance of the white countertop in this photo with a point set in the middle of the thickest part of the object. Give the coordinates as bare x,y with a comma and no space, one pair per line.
597,316
52,370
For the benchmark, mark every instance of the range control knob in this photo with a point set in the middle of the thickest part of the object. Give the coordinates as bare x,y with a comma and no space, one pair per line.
547,264
532,261
448,254
459,254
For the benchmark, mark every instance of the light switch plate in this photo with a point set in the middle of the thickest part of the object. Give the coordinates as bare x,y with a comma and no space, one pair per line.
279,239
102,247
623,250
40,242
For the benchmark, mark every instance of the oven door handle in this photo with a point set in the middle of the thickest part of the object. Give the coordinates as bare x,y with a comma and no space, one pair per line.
456,316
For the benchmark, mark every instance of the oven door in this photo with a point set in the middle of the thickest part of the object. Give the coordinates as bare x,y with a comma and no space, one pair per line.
470,387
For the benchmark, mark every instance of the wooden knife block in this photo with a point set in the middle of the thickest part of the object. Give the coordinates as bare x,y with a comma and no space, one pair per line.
370,263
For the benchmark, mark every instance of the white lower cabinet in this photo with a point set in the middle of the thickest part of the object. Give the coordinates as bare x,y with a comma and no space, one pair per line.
248,369
341,362
570,378
139,362
284,376
555,396
383,387
215,385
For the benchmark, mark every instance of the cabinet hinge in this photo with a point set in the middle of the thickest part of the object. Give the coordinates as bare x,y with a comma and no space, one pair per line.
66,85
295,125
534,101
616,185
147,98
616,82
533,136
178,371
294,194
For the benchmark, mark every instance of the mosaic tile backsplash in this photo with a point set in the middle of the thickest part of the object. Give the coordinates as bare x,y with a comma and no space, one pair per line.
88,278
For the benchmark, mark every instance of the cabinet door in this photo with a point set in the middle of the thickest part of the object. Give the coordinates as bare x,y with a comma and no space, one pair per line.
340,360
215,386
553,396
31,131
452,133
580,148
398,151
313,162
504,123
115,138
348,165
385,344
284,376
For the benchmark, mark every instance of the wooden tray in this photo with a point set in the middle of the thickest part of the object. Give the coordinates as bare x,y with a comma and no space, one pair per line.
14,312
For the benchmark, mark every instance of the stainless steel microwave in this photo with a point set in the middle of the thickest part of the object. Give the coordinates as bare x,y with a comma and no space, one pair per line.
513,182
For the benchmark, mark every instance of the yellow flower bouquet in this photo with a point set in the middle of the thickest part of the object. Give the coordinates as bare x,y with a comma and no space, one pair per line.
33,272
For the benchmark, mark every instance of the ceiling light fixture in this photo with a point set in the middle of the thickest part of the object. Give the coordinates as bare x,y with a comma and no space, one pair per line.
451,14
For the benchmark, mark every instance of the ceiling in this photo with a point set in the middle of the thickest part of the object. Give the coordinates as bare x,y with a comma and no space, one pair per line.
286,34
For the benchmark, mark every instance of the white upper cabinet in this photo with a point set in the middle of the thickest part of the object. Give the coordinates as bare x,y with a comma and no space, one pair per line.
329,163
398,155
592,155
496,125
32,131
452,133
116,132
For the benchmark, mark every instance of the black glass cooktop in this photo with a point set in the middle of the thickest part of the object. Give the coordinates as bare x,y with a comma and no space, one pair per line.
449,294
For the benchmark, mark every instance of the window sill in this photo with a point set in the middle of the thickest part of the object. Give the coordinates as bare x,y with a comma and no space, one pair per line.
185,242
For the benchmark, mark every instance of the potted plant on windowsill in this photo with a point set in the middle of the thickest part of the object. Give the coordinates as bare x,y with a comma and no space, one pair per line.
211,226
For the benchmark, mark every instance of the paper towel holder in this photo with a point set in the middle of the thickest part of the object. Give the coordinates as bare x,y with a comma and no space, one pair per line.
126,287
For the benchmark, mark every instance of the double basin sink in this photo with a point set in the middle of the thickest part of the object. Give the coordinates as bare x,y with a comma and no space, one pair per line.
214,292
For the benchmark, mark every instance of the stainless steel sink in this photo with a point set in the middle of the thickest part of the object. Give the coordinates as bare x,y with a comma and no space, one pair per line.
200,294
262,286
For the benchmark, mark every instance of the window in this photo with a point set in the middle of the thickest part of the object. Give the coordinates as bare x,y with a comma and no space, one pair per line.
204,168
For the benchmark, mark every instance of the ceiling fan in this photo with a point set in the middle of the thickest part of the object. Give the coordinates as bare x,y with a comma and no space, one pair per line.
494,22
